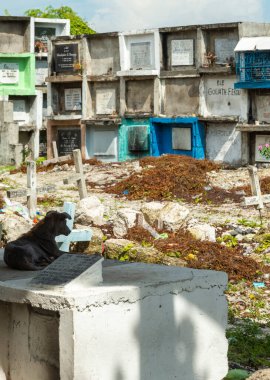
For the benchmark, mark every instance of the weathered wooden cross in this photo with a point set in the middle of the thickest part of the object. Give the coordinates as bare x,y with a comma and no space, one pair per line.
79,177
32,189
75,235
257,199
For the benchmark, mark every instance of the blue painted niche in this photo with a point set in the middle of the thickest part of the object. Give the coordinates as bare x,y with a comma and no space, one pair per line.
181,135
134,139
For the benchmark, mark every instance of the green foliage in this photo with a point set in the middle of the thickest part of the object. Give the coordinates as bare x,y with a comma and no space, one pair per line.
237,374
229,240
6,168
248,223
248,345
264,243
124,255
146,244
49,201
77,24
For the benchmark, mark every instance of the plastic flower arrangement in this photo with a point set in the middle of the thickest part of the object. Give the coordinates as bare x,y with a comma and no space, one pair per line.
265,150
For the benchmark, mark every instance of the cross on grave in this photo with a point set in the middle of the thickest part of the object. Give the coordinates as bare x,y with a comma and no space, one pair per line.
257,199
32,189
79,178
75,235
56,158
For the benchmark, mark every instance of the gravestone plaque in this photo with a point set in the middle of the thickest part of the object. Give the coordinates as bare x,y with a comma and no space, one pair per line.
182,52
68,139
9,73
105,101
181,138
73,99
66,56
71,272
41,71
140,55
19,109
42,34
224,49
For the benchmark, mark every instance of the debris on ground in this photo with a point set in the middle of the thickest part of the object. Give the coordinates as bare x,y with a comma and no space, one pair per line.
173,177
201,254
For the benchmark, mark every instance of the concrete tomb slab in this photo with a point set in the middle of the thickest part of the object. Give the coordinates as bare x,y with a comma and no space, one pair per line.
143,322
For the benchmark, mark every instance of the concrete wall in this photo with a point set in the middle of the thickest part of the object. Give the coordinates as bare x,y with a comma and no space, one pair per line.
23,80
221,41
140,96
261,105
104,98
14,36
102,142
64,98
223,143
146,322
104,56
219,98
29,343
167,38
10,149
181,96
254,29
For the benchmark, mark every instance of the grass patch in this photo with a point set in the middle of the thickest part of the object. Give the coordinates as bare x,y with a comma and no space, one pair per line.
249,345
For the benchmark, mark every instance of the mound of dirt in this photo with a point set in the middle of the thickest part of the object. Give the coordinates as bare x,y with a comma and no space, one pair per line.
173,177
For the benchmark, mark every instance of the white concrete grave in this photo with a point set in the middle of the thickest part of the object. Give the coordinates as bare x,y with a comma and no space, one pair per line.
146,322
139,53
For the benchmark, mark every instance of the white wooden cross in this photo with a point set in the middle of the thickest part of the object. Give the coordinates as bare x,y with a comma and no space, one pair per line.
75,235
32,190
257,199
79,177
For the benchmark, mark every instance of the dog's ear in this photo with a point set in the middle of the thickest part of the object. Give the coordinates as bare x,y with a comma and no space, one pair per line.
66,215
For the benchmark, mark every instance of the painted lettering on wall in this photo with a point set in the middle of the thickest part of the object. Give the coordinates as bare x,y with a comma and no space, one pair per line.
9,73
220,88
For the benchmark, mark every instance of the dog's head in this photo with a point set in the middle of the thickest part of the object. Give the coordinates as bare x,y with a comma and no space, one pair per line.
52,225
56,223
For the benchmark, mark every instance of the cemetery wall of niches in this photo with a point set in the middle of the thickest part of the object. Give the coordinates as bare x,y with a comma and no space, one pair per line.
29,342
224,143
260,105
104,58
67,58
68,134
179,50
104,98
140,96
180,96
219,98
14,36
67,98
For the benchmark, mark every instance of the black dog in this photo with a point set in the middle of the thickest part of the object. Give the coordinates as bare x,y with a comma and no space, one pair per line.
37,248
